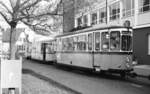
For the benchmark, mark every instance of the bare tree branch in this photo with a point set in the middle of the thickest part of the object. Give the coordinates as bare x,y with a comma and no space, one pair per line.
7,9
25,2
5,18
30,5
30,12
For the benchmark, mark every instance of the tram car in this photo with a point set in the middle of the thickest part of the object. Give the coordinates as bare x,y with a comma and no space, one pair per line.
98,49
44,51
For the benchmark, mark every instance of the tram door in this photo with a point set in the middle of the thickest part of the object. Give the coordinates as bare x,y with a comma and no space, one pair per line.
90,49
44,51
96,48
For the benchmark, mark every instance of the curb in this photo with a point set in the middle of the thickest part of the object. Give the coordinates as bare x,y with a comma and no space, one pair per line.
51,81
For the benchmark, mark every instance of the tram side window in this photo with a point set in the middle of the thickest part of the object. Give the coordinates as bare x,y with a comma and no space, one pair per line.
90,41
70,44
82,43
115,40
75,43
97,41
54,45
126,43
105,41
58,45
65,45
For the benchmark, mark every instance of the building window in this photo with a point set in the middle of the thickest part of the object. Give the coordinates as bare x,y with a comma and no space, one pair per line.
144,5
85,20
114,11
79,21
102,15
94,18
128,7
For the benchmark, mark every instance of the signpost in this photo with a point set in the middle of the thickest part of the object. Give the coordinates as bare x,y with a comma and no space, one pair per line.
11,75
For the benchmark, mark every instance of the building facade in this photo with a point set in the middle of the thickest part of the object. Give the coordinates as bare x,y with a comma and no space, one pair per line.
103,13
1,46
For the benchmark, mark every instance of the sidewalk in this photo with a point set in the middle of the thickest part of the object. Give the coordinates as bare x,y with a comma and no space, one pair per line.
33,85
142,72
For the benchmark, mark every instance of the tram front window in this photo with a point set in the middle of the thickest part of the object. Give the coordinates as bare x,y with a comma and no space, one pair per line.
115,40
126,43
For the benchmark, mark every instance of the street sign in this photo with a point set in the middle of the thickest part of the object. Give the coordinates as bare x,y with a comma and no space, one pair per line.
11,75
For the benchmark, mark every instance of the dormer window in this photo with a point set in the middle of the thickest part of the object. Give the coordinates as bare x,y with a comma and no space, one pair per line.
85,20
94,18
102,15
79,21
114,11
144,5
128,8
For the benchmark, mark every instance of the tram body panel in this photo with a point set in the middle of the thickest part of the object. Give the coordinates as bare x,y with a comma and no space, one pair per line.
76,59
50,57
120,62
103,61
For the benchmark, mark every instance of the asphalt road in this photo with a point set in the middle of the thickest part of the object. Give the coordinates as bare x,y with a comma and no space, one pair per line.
88,83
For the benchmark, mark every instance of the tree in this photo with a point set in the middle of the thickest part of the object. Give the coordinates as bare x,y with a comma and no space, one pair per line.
36,14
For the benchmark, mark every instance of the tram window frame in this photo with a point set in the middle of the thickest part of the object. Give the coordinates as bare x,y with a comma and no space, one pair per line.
64,43
129,48
148,44
115,40
97,41
58,48
81,45
75,43
69,44
90,42
105,47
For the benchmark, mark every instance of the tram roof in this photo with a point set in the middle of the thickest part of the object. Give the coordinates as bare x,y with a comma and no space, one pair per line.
88,29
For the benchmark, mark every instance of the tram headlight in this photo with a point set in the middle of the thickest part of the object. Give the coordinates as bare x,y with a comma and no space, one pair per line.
127,62
134,62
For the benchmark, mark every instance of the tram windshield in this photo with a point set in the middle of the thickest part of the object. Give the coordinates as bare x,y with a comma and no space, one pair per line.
115,40
126,43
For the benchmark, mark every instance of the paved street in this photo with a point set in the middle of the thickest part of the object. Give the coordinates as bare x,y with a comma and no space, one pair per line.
88,84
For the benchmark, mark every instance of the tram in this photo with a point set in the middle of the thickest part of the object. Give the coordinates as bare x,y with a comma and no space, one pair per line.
44,51
98,49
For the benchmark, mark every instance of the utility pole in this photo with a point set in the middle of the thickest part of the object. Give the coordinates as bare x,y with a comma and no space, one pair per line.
106,12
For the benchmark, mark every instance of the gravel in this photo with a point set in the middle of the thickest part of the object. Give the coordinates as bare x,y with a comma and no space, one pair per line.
33,85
